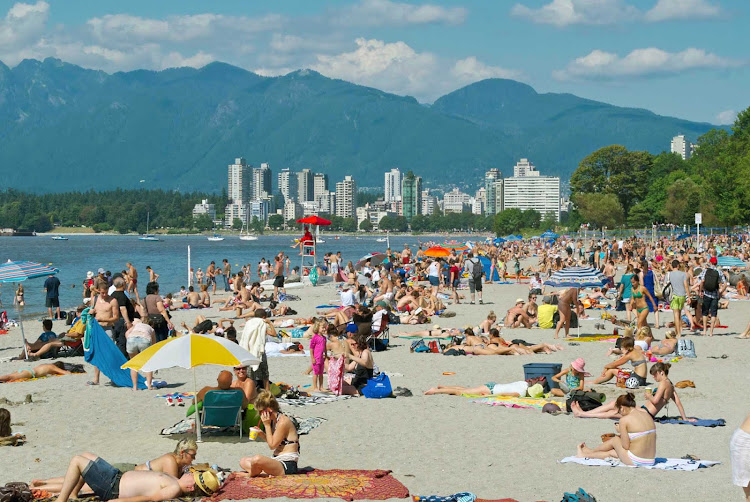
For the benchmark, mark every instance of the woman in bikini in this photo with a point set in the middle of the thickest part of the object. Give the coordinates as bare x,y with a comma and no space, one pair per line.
634,355
639,295
666,346
43,370
488,323
280,435
636,443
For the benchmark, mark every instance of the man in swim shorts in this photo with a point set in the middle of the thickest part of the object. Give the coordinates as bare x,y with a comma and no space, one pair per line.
109,483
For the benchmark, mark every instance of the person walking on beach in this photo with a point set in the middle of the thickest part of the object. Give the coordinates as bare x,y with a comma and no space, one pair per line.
712,284
211,276
152,275
227,273
474,267
278,280
52,289
133,282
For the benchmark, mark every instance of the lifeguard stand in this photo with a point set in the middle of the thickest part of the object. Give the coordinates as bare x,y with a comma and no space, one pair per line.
309,257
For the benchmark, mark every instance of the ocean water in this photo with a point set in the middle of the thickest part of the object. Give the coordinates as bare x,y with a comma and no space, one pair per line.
168,258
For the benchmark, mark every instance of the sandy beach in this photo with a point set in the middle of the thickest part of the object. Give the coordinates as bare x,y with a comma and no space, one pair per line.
433,444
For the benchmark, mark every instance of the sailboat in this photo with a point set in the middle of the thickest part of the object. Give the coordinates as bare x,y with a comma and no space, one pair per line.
148,237
247,236
216,238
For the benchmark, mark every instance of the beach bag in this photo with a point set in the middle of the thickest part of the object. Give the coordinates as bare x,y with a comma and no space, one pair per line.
622,377
378,387
477,270
15,492
711,280
587,399
579,496
434,347
685,348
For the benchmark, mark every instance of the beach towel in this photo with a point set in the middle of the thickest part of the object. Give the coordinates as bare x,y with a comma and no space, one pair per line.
102,352
458,497
253,339
513,402
335,483
186,426
666,464
336,374
720,422
273,349
328,306
311,400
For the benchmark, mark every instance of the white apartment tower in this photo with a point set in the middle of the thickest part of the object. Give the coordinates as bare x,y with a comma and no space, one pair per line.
532,191
393,180
262,182
523,168
346,193
288,185
493,191
238,187
320,185
682,147
305,187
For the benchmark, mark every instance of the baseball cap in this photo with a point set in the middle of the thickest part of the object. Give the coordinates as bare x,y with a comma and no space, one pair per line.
101,271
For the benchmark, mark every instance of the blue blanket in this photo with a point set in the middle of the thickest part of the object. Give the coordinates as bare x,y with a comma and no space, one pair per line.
102,352
698,423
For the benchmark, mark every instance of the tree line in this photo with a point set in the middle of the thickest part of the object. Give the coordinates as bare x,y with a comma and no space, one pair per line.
615,187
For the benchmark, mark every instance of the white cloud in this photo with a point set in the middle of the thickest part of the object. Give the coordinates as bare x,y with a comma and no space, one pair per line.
386,12
600,65
727,117
666,10
472,70
176,60
566,12
23,24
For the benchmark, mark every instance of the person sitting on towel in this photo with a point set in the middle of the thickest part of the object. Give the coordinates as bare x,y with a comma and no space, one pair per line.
513,389
636,443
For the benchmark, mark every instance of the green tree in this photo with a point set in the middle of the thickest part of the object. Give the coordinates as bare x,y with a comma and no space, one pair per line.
275,222
600,210
509,221
349,225
531,218
366,225
549,222
257,225
683,201
237,224
614,170
203,222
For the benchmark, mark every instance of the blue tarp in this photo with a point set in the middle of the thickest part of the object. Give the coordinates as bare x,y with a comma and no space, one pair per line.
486,266
102,352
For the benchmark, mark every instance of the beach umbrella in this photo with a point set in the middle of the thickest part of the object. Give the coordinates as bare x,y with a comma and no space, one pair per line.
375,260
549,234
513,238
730,261
458,247
683,237
19,271
314,220
437,252
577,277
190,351
498,240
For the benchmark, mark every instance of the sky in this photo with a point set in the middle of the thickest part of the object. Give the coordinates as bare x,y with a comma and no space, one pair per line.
683,58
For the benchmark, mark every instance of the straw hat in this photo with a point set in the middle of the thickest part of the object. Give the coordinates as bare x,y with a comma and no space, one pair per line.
519,300
580,365
206,481
89,275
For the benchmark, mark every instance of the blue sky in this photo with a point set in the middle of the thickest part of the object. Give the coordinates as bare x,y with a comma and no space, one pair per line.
685,58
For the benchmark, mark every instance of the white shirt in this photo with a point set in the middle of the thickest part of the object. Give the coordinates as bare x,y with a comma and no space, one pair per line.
434,269
347,298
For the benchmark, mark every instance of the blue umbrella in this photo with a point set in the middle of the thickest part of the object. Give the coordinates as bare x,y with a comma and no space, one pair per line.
683,237
513,238
577,277
498,241
731,261
549,234
19,271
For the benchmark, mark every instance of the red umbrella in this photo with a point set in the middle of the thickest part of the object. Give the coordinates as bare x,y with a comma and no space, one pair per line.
437,252
314,220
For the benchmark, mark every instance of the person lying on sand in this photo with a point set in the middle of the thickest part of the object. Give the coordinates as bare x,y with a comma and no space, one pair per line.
636,443
173,463
655,400
496,345
109,483
666,346
513,389
43,370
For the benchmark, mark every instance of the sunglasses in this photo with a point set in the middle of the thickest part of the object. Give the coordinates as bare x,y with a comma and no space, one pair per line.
244,368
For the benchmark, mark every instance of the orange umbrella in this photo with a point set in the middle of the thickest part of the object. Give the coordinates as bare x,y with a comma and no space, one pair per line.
437,252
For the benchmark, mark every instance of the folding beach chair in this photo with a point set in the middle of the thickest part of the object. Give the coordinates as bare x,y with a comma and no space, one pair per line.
382,338
223,408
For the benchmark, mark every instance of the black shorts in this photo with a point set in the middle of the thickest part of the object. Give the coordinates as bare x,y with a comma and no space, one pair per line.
289,467
478,285
261,374
710,305
103,479
53,303
278,281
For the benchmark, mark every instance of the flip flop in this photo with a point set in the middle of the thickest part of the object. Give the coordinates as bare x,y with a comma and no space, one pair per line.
91,383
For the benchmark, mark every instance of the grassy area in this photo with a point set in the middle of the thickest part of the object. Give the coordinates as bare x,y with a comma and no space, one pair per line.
71,230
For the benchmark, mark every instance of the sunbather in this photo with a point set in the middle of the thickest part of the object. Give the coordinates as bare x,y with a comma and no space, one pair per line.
634,355
514,389
173,463
281,436
109,483
666,346
43,370
636,444
655,400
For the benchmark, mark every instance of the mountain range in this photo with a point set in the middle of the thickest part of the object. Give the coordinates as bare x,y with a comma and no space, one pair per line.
63,127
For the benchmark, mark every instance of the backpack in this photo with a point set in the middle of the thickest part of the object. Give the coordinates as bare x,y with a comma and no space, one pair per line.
587,399
477,270
666,293
378,387
711,280
685,348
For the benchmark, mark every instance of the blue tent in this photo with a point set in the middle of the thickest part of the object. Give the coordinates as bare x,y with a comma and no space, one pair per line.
549,234
486,267
498,241
514,238
683,237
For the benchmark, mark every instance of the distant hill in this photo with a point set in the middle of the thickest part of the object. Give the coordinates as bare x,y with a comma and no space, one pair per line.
64,127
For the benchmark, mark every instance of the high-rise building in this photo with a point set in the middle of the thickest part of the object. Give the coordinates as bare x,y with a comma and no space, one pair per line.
411,195
258,209
326,202
305,186
262,182
493,183
292,210
238,191
480,199
523,168
320,185
288,185
429,203
204,208
681,146
533,191
346,193
393,180
456,201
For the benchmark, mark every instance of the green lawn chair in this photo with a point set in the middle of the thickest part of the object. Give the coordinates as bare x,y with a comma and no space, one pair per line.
223,408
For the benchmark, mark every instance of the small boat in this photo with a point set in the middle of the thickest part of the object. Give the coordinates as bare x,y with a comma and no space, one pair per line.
59,238
381,239
248,237
320,241
216,238
147,236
